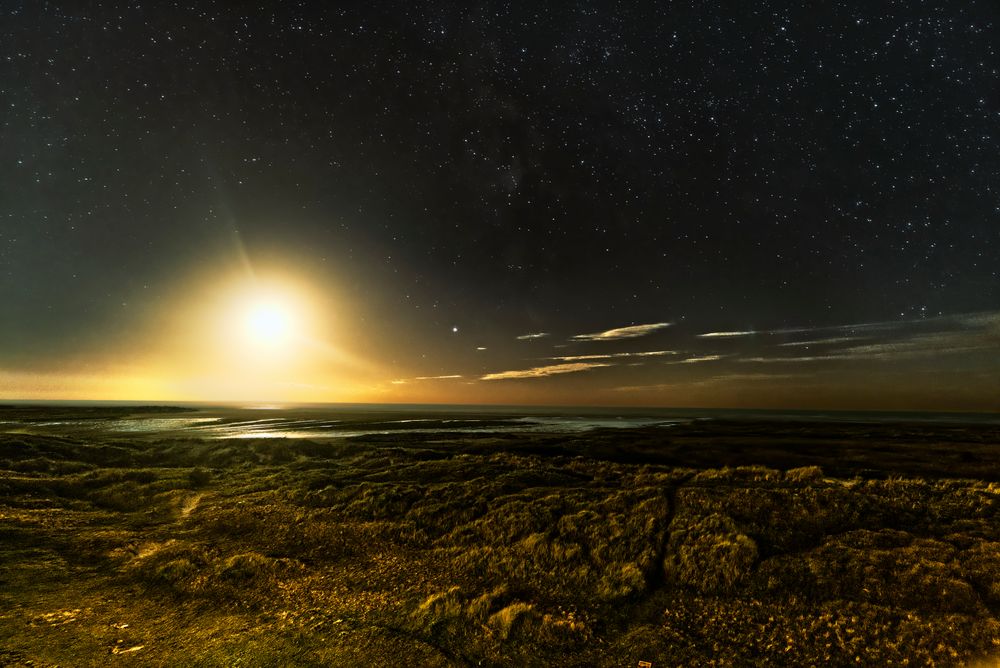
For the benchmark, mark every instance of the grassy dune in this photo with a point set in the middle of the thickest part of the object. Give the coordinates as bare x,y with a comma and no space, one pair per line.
724,544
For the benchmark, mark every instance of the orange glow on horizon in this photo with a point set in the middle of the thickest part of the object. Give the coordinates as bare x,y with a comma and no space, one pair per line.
237,336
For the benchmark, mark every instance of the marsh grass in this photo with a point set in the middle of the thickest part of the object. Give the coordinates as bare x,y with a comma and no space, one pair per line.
503,551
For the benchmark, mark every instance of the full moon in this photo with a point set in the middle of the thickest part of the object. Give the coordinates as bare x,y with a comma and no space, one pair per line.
268,323
264,326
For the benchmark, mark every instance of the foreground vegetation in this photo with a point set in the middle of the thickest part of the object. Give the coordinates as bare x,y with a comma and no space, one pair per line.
711,544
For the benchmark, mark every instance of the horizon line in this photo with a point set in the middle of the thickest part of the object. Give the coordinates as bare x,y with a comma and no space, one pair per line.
266,404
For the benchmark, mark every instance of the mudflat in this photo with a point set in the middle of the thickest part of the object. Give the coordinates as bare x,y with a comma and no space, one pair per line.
717,542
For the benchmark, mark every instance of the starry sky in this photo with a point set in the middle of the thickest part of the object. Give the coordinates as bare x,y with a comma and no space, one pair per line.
770,204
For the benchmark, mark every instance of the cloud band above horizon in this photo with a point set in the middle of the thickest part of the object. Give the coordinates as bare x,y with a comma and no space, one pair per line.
630,332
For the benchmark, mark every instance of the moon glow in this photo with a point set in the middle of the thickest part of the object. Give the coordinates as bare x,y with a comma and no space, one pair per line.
269,323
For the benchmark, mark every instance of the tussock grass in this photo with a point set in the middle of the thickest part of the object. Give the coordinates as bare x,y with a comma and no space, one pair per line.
515,550
496,624
709,553
606,544
920,575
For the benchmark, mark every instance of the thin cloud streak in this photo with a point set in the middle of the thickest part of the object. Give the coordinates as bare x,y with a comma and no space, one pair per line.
630,332
821,342
404,381
925,345
885,325
987,319
982,336
712,380
754,377
790,360
608,356
543,371
658,387
699,359
725,335
534,335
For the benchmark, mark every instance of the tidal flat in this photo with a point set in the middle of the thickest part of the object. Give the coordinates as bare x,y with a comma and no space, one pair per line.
721,542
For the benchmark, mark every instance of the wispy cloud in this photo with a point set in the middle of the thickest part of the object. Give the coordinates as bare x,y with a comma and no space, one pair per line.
752,377
926,345
947,336
725,335
608,356
850,328
884,325
658,387
821,342
630,332
543,371
404,381
699,359
988,320
790,360
534,335
710,381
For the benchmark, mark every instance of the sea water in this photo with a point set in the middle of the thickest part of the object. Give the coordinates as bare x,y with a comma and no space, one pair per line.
347,420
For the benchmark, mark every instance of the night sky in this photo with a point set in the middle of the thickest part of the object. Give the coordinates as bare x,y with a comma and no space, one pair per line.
673,204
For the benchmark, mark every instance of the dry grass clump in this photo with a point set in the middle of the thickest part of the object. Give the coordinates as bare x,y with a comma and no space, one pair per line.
46,465
551,546
127,496
981,565
804,475
708,553
781,517
512,619
883,568
278,529
495,626
787,633
142,494
195,570
738,474
607,545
